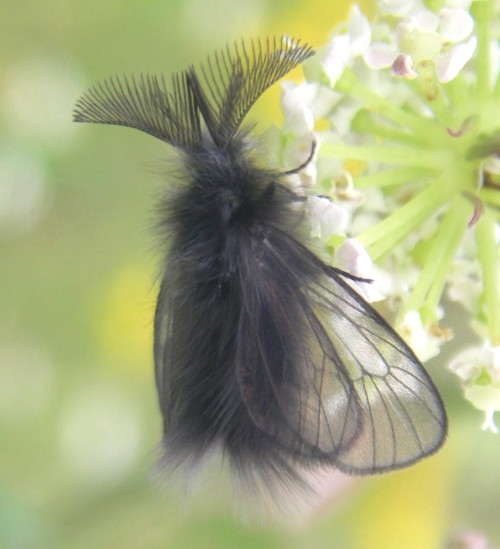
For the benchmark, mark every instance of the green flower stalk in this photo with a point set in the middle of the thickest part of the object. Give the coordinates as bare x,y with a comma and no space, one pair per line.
411,106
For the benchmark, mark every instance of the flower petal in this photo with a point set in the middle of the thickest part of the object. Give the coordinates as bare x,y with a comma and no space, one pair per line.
424,21
336,57
360,32
326,217
456,25
353,258
380,55
398,8
449,64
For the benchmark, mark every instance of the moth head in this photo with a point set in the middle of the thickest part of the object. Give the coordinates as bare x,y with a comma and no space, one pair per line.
230,204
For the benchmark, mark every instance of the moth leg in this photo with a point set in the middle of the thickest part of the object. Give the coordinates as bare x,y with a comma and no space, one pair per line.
273,187
345,274
307,162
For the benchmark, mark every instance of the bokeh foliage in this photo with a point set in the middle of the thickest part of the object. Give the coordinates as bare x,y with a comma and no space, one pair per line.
78,416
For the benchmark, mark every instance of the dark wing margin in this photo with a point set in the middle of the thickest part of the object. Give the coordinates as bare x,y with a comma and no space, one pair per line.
230,83
333,383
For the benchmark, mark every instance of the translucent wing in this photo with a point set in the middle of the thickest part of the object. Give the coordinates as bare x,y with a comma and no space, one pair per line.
329,380
230,83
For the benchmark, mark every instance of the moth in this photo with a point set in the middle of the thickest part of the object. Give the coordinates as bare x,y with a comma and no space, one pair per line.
260,347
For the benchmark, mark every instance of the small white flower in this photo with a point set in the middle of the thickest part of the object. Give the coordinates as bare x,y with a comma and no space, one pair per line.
449,64
326,217
479,370
456,25
353,258
344,48
342,121
467,365
423,21
426,340
336,57
399,8
470,363
380,55
489,418
486,399
308,100
295,103
360,32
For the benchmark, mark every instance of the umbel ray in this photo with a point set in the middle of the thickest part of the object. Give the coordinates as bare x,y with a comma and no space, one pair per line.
260,347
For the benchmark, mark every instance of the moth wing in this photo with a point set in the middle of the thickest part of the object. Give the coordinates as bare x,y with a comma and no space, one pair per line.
339,386
402,415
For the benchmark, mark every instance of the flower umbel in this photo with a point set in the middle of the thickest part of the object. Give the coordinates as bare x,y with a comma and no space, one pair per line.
411,103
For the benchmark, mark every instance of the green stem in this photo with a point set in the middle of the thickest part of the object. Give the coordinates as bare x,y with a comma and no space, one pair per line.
459,95
348,84
429,288
389,232
483,13
433,93
364,123
411,156
392,177
489,196
496,89
441,108
490,265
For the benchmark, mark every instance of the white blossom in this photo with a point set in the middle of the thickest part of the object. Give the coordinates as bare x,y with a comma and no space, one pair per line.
326,217
344,48
426,341
449,64
479,370
353,258
456,25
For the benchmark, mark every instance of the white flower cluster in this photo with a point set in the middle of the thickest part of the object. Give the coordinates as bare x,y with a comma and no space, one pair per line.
423,35
405,112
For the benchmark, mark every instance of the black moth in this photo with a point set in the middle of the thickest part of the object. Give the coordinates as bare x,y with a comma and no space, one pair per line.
260,347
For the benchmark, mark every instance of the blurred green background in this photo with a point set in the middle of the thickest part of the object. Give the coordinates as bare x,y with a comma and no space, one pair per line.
79,422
